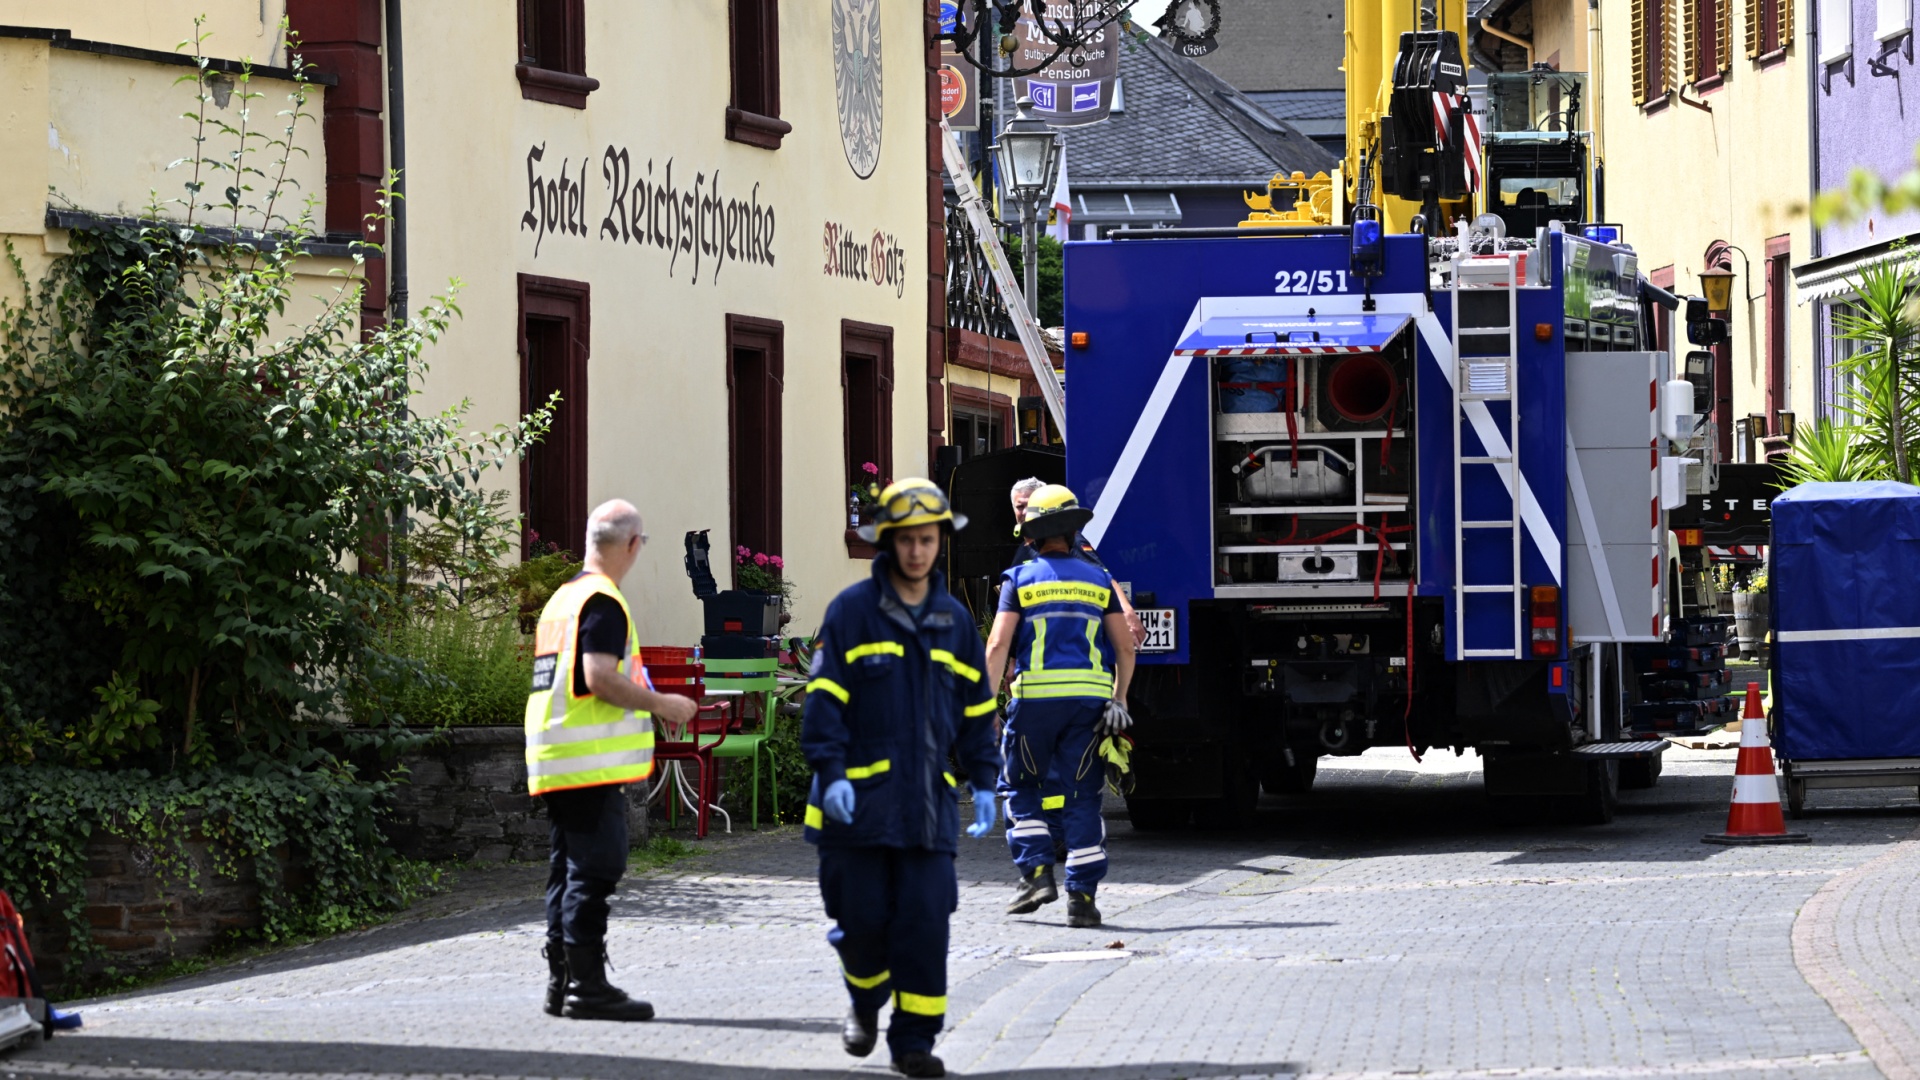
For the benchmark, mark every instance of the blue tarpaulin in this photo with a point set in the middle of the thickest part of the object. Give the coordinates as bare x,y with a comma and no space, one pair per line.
1845,579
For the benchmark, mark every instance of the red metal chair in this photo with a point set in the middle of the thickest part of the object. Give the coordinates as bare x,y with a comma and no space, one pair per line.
691,742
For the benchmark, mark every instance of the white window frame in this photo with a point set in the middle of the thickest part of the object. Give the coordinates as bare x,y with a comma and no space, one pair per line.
1893,19
1836,30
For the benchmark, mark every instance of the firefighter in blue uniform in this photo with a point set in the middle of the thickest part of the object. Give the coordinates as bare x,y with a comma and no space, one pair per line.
897,688
1060,618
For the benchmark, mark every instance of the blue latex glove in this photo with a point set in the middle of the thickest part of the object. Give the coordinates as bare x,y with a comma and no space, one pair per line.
837,803
984,815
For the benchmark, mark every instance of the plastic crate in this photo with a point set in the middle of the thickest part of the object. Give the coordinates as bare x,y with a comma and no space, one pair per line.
1703,630
1660,659
1686,685
1681,717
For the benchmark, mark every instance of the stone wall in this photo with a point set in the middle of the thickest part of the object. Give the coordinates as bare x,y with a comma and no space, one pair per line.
141,918
464,799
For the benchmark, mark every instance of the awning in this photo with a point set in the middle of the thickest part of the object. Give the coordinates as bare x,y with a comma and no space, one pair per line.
1292,335
1823,279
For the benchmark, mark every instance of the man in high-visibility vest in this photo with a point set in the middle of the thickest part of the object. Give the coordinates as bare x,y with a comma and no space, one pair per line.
590,733
896,689
1060,618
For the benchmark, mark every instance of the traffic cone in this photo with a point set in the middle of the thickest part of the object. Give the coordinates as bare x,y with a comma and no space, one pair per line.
1755,817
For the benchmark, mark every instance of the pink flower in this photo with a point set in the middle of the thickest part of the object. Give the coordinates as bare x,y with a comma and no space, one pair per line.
776,562
870,468
759,560
743,551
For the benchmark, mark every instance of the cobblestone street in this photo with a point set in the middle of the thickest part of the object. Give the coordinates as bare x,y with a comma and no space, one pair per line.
1386,924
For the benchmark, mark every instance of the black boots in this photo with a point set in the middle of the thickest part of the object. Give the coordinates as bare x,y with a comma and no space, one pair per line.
590,996
919,1063
859,1032
556,955
1080,910
1036,888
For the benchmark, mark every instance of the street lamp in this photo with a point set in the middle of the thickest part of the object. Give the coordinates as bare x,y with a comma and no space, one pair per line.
1717,283
1029,156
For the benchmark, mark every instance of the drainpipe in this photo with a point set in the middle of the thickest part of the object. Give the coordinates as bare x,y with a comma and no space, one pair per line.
397,162
1488,28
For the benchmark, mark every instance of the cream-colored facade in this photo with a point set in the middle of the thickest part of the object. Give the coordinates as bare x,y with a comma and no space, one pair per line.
640,196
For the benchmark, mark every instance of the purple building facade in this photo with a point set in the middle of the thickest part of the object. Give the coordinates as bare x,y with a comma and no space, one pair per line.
1865,90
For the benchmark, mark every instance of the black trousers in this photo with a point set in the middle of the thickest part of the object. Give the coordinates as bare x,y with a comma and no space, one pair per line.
588,856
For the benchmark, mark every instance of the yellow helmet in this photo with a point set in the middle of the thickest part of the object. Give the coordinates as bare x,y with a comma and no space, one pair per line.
909,502
1053,511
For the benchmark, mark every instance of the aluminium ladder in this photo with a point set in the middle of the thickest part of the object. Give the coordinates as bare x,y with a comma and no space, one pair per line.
1486,392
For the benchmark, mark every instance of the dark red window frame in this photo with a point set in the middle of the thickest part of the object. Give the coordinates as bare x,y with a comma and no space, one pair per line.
866,394
555,339
1779,263
999,406
756,382
552,63
1705,57
753,47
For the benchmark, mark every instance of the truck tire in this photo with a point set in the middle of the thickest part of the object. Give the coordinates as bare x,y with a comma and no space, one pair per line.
1596,807
1158,815
1236,807
1640,773
1280,778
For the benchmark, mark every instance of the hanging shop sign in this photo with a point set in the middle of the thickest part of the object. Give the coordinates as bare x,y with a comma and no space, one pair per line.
1076,87
959,89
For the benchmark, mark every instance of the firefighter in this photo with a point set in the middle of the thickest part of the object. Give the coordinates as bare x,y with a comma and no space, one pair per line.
1073,659
1022,491
897,687
589,733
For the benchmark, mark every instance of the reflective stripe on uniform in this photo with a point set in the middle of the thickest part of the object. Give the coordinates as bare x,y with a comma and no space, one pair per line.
868,982
984,707
1083,856
1053,802
831,687
578,733
814,819
1029,827
876,648
636,751
861,772
1039,658
920,1004
1079,682
954,664
951,781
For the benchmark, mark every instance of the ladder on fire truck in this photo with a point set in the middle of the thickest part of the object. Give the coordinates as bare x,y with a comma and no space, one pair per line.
1024,322
1486,461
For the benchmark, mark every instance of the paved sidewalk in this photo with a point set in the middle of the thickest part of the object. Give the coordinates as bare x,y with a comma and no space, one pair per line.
1387,923
1857,941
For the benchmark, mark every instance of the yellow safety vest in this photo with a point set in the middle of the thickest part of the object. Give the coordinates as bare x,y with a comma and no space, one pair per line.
575,742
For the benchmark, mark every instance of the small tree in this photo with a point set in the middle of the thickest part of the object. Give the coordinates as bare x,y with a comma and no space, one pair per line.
1884,325
200,483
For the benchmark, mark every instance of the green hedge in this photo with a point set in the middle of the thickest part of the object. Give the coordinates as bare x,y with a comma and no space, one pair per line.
327,823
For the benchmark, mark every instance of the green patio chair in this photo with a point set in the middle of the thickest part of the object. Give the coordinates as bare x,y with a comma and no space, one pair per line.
756,680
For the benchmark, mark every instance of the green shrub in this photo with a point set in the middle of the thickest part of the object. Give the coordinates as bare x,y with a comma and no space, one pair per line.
473,668
345,873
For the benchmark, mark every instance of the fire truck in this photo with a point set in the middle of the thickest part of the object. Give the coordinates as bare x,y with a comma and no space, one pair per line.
1391,466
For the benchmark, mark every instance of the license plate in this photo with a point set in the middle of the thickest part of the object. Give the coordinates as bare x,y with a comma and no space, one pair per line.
1160,632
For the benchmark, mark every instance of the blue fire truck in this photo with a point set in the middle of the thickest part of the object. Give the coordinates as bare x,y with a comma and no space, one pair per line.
1380,490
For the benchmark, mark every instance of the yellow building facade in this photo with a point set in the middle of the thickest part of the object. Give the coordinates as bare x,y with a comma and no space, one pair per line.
707,226
1701,135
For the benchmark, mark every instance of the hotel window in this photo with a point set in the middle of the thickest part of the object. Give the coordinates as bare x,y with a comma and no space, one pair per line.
1836,30
1894,18
553,53
1655,58
1769,27
753,113
756,378
866,387
554,340
1708,35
